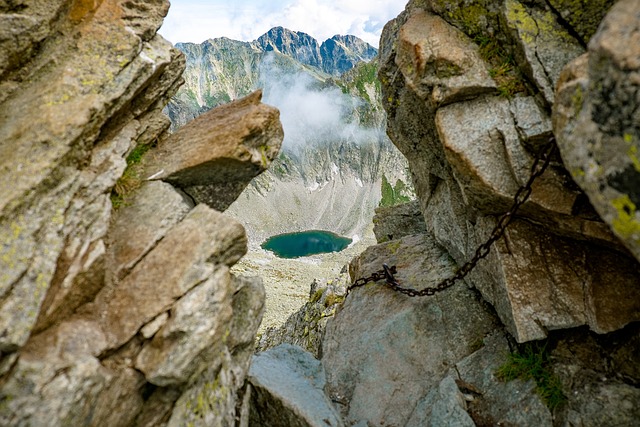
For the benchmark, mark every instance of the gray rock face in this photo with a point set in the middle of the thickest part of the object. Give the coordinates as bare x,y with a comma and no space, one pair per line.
596,121
287,385
470,154
374,363
395,222
124,316
300,46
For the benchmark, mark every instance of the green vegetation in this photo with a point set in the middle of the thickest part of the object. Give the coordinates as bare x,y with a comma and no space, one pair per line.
502,65
130,179
393,195
532,363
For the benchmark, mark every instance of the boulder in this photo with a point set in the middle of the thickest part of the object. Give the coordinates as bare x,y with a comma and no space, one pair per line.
439,62
384,349
394,222
287,387
596,122
215,156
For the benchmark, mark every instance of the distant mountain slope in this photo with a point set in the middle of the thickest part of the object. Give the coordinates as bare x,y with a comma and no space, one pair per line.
221,69
335,151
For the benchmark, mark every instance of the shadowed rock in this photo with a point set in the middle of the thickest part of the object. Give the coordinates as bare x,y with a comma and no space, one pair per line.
215,156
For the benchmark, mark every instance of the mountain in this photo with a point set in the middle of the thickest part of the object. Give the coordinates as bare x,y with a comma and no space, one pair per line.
336,152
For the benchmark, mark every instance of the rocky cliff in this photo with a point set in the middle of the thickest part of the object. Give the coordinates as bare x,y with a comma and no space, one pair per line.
543,330
117,306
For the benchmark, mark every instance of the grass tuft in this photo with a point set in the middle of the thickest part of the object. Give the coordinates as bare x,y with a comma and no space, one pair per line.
502,65
532,363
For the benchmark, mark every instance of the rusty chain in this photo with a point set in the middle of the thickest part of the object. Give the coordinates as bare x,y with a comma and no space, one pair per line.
539,166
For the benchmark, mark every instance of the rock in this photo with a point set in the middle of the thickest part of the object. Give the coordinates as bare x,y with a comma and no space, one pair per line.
213,396
59,168
443,406
395,222
306,327
215,156
544,46
494,401
100,305
596,122
374,361
599,391
584,17
469,158
140,224
439,62
287,390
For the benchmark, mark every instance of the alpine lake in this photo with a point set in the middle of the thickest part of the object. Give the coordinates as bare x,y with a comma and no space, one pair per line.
305,243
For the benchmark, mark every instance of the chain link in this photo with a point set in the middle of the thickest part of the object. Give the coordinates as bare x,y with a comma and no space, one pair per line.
522,195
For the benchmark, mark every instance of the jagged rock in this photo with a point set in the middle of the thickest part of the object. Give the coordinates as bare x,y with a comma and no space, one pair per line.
384,349
215,156
212,396
439,62
583,16
98,309
468,159
544,46
394,222
443,406
600,391
287,387
58,168
139,225
596,122
471,394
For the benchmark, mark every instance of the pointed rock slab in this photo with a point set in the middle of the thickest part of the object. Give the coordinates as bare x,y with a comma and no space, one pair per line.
439,62
214,157
288,390
203,243
384,351
597,118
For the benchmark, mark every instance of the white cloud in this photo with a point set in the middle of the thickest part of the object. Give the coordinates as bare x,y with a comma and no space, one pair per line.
199,20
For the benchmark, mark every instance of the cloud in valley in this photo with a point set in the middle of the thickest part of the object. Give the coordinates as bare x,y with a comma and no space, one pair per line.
310,114
198,20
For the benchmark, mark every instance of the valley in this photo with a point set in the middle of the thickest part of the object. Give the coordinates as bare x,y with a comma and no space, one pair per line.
335,153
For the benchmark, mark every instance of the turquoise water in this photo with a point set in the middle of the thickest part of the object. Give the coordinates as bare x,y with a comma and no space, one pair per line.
295,245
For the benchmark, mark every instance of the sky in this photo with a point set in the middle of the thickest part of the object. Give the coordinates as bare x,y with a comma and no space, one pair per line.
198,20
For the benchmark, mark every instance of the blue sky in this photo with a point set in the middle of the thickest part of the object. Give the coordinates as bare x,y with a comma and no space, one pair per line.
198,20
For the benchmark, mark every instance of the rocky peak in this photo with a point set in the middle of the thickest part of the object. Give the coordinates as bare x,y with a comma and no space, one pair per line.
300,46
342,53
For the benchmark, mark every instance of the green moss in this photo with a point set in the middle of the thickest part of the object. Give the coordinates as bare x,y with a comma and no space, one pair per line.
333,299
532,363
502,66
316,296
632,152
577,100
130,179
626,225
393,246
